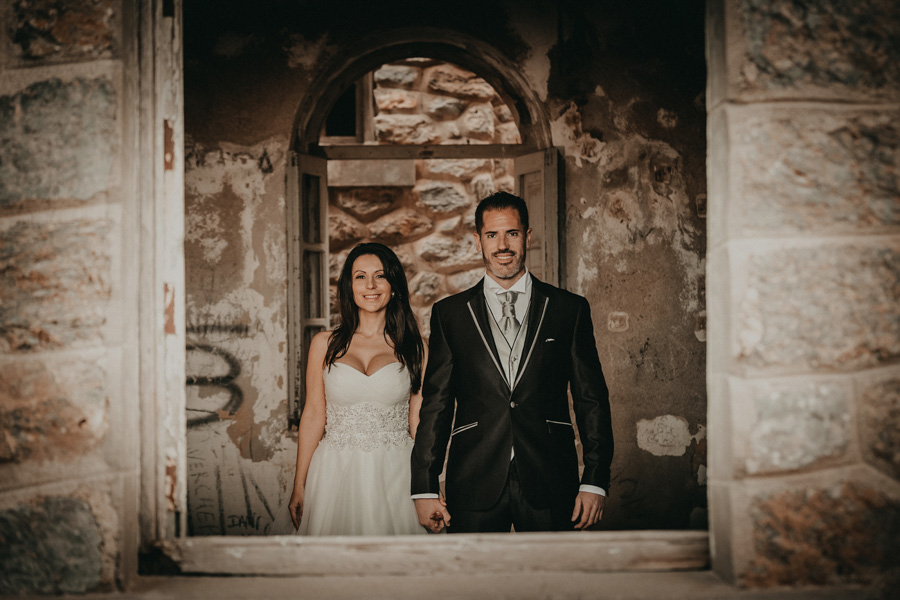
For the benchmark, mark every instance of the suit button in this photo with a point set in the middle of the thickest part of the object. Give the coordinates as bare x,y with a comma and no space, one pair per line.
512,404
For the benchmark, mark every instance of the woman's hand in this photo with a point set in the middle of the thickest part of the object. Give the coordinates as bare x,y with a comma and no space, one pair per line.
295,505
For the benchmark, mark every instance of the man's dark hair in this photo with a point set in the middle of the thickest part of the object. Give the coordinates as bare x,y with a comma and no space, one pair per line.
500,201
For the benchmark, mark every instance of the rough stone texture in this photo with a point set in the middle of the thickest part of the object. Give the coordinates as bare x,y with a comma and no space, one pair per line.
483,185
450,79
478,122
51,411
426,287
50,546
64,30
465,280
406,129
344,230
403,224
823,44
797,426
825,308
849,533
442,108
455,169
365,203
58,141
396,100
54,284
443,197
397,76
825,170
449,254
508,133
879,424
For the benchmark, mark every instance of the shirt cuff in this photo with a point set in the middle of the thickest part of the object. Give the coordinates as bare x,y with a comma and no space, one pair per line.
588,488
424,496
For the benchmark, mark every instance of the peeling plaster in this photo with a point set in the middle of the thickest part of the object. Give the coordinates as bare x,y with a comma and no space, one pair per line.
667,435
652,207
568,135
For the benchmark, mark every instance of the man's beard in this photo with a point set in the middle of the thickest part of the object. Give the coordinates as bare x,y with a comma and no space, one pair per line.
508,271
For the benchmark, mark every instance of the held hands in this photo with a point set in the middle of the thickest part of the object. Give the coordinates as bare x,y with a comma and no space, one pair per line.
589,507
295,505
432,513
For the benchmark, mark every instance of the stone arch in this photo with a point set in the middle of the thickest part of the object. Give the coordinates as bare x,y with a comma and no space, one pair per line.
371,52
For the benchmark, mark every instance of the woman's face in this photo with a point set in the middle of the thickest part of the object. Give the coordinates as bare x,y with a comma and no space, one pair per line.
371,290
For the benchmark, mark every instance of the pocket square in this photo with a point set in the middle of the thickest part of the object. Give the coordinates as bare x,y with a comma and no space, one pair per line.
549,340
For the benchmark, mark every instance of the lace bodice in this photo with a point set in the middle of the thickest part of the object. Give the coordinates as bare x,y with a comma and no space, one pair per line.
366,411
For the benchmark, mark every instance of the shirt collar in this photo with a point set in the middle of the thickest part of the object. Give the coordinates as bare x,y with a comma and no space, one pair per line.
523,285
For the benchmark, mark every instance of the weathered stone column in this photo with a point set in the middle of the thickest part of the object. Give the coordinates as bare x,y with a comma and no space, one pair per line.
67,384
803,280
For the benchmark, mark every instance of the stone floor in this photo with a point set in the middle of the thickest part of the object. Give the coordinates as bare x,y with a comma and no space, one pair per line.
702,585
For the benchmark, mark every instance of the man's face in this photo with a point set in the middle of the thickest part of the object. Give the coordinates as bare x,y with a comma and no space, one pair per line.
502,243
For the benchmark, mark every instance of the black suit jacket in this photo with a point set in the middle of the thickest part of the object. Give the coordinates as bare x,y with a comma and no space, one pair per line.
530,414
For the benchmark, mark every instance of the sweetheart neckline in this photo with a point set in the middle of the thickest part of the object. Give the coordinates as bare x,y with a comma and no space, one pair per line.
379,370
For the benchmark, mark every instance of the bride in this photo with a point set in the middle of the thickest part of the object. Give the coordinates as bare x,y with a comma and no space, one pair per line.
363,393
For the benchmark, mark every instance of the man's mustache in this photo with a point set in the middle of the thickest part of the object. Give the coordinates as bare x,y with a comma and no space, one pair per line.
507,252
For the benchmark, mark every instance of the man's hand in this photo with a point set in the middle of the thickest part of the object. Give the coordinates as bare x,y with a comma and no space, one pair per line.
588,509
433,514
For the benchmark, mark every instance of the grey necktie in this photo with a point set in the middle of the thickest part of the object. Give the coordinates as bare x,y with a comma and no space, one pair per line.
509,324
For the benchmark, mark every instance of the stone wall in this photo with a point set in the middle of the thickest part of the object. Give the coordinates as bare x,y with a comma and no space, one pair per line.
804,287
429,225
64,477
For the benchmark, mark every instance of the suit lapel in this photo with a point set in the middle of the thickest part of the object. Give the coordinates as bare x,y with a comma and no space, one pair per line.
537,308
478,309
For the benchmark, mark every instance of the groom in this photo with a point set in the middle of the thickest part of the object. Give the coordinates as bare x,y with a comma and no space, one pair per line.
504,353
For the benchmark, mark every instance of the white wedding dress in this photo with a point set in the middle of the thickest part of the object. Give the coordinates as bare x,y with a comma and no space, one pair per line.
359,477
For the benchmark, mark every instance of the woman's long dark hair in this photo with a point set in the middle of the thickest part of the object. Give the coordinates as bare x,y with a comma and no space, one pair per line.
400,324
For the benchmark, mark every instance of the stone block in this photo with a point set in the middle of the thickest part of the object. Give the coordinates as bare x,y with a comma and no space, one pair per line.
51,31
51,411
879,425
344,230
54,284
407,129
815,170
456,168
449,254
426,287
402,76
483,185
797,426
366,203
465,280
389,100
51,546
444,108
843,533
442,196
404,224
58,142
822,308
507,133
478,122
821,46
